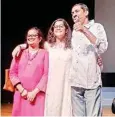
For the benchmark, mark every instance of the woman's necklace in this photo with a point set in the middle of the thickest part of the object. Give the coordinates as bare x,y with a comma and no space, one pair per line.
31,56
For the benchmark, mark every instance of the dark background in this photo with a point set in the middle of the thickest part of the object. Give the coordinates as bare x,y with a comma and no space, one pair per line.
19,15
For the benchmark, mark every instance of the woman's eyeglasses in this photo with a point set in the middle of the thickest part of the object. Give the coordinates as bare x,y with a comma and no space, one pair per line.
32,35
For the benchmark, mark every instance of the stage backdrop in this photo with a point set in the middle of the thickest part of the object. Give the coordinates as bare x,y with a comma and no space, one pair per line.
105,14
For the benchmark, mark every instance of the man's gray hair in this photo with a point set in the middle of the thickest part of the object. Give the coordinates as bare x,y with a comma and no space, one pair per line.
83,6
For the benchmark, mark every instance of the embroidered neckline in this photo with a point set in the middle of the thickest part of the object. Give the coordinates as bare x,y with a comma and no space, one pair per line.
59,45
31,56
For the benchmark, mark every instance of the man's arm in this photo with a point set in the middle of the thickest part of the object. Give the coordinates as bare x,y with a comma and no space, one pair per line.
17,50
99,39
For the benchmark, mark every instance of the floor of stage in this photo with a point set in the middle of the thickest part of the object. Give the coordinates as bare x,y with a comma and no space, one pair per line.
6,110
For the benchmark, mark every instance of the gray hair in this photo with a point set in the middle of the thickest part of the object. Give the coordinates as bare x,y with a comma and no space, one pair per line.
83,6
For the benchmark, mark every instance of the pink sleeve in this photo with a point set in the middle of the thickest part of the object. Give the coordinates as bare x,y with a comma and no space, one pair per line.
43,82
14,72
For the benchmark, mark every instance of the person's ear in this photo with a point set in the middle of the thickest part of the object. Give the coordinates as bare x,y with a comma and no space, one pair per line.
86,13
40,39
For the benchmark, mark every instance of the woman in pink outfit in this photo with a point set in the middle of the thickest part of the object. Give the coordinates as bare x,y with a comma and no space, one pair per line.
29,75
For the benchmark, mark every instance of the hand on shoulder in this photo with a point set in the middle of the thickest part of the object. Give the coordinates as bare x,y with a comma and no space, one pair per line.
46,45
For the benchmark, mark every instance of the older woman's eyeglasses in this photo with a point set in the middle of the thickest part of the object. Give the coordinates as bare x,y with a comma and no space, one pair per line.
32,35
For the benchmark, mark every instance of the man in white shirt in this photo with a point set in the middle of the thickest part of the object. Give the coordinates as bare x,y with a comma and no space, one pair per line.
88,42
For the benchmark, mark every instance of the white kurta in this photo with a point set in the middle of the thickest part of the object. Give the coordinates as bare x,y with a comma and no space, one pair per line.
58,95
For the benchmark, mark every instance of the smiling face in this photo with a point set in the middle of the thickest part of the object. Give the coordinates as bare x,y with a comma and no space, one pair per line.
33,39
59,30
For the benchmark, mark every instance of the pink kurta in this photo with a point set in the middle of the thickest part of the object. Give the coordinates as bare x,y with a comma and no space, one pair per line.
31,76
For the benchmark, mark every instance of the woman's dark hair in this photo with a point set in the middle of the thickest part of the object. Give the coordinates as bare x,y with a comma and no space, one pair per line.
51,37
40,34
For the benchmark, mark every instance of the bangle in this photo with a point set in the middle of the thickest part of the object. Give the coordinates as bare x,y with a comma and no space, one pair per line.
22,91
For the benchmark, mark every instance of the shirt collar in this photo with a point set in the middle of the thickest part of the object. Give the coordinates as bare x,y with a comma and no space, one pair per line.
91,22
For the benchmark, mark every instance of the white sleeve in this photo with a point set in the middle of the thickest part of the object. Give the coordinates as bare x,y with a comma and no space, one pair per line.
101,42
46,46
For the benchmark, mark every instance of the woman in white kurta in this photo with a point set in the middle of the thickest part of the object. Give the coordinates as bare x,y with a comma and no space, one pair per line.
58,97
